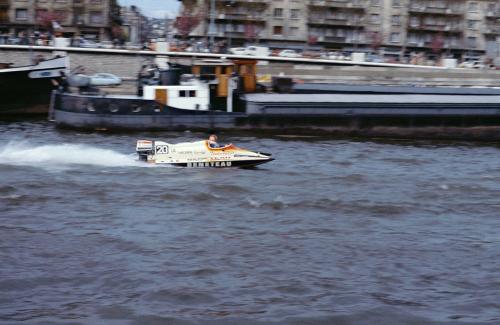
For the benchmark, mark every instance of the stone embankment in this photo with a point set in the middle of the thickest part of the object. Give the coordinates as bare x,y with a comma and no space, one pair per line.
127,65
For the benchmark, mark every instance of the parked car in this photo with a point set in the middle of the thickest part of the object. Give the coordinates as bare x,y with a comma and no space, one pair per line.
289,54
345,57
257,51
13,41
238,51
275,52
200,47
335,56
472,65
133,46
312,54
88,43
105,79
370,57
106,45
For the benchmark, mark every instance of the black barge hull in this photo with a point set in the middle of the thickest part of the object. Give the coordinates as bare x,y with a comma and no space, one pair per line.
26,90
463,119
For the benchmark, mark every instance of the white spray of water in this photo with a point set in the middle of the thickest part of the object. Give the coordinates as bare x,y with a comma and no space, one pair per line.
63,156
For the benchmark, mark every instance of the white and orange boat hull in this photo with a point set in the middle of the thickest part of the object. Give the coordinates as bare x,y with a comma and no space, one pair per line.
199,154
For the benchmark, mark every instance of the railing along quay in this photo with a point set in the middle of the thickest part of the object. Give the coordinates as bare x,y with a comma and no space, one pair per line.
219,56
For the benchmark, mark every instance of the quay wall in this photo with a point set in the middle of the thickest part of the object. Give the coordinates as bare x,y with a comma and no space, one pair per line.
127,65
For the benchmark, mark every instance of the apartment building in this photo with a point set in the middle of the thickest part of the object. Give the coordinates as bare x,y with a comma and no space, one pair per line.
394,27
337,23
277,23
89,18
132,23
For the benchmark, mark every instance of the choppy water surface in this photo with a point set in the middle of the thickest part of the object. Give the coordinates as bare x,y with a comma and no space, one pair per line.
333,231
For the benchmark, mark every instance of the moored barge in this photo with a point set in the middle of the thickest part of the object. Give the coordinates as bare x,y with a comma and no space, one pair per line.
219,95
26,89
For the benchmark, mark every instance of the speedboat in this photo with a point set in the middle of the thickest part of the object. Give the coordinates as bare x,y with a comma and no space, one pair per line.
199,154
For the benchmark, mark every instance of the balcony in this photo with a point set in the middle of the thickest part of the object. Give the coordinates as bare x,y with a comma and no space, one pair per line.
257,17
493,14
450,28
265,2
358,5
429,44
235,34
335,21
79,21
492,29
334,39
457,11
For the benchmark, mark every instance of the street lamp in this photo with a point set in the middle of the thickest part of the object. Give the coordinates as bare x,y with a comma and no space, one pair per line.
211,27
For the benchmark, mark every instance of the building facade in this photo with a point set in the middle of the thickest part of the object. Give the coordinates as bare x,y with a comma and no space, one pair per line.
91,19
457,28
132,24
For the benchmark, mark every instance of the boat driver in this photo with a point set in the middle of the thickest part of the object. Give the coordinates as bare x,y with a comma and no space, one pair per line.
212,141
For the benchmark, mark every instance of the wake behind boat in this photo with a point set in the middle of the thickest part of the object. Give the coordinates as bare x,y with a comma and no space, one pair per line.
199,154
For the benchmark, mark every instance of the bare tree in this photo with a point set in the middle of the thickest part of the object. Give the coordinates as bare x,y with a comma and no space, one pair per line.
250,33
376,41
187,21
437,43
50,20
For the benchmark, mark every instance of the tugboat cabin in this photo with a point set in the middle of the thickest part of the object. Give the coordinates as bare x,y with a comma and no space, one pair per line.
212,85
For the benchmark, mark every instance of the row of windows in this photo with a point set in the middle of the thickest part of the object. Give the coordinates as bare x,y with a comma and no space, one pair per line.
453,41
396,20
92,2
413,38
395,3
374,19
473,6
292,31
430,20
294,13
22,14
442,4
187,93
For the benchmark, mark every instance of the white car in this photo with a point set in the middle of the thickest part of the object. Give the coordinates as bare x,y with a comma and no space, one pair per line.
133,46
289,54
238,50
472,65
258,51
333,55
89,44
105,79
106,45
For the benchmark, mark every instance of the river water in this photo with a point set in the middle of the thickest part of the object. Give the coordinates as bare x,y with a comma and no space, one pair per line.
333,232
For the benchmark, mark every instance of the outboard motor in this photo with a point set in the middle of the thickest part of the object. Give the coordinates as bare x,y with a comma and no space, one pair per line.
144,148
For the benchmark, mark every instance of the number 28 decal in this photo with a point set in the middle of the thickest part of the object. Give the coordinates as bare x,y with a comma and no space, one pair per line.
161,149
